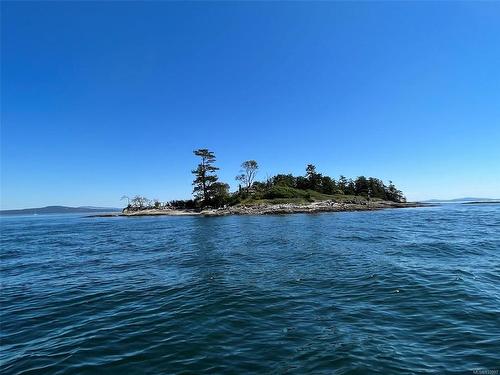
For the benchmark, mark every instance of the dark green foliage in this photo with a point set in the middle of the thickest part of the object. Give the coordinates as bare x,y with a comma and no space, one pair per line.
235,198
328,185
259,186
350,188
361,186
286,192
183,204
394,194
284,180
377,188
313,178
342,184
220,194
302,182
287,186
205,176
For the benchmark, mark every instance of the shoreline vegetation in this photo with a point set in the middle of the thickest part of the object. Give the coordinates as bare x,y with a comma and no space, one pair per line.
279,194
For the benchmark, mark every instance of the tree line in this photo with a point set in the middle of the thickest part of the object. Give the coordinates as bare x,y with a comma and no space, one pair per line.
208,191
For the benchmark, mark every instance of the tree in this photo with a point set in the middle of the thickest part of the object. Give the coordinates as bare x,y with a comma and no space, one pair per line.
350,187
302,183
393,194
376,188
182,204
328,185
313,177
284,180
205,176
310,171
343,184
139,203
248,172
361,186
220,194
259,186
156,203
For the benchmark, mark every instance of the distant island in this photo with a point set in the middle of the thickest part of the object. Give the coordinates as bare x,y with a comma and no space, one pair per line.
459,200
490,201
58,210
278,194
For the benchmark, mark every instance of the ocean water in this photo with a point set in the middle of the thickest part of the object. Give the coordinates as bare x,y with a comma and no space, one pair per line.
387,292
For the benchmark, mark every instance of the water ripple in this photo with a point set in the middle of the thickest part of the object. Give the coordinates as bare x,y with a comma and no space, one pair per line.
396,291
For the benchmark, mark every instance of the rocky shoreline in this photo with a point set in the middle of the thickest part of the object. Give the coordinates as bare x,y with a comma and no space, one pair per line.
272,209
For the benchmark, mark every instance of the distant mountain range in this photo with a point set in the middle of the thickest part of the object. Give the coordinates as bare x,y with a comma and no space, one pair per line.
466,199
58,210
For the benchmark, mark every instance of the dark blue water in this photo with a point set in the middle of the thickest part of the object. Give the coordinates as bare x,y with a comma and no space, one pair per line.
395,291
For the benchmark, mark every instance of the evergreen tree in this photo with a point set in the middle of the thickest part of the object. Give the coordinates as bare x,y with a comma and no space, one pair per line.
302,183
377,188
328,185
342,185
361,186
350,188
393,194
205,176
313,177
284,180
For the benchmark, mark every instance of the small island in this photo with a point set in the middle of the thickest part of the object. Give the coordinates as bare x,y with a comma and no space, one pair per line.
279,194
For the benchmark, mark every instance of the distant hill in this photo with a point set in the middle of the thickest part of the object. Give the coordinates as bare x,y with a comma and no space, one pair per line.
58,210
466,199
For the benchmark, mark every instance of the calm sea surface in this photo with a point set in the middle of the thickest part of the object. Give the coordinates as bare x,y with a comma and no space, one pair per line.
394,291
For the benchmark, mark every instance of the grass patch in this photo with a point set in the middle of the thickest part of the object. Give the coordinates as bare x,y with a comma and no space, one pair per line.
256,202
286,192
289,195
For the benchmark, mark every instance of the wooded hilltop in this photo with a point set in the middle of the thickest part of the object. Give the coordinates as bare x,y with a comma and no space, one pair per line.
210,193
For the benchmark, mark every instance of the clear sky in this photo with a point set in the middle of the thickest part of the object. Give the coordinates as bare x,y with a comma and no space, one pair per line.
101,99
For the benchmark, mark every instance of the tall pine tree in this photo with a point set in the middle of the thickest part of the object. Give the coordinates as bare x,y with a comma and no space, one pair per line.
205,176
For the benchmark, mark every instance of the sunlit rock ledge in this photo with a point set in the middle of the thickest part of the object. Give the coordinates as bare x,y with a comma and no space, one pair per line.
270,209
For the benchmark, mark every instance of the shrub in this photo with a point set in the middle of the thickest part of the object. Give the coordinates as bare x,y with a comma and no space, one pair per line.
285,192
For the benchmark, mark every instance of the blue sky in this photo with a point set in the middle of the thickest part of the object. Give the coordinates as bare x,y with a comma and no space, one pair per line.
101,99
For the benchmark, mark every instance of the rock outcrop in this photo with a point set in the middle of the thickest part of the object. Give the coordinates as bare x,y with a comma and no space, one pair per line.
273,209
